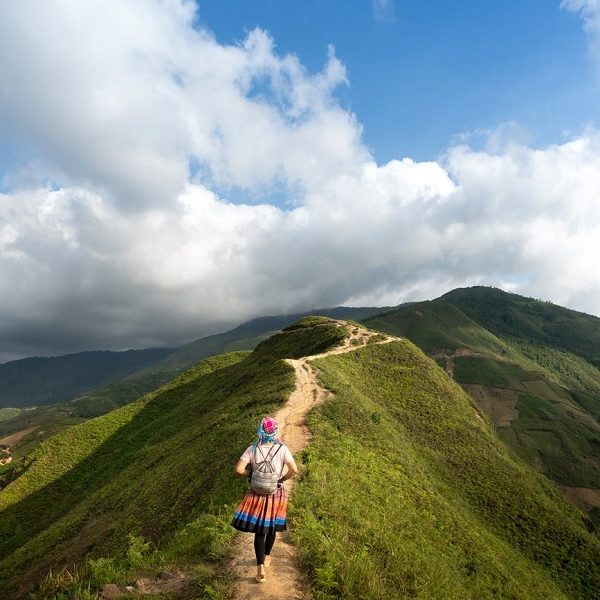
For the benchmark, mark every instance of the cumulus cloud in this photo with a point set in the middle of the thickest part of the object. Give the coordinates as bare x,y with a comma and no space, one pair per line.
589,10
127,247
122,96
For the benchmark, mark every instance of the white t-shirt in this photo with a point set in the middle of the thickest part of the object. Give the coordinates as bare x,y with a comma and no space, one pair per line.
283,456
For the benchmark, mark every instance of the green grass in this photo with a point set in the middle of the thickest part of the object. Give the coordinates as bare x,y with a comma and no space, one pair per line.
551,431
491,373
405,491
560,444
197,548
309,336
145,469
47,420
407,494
436,326
152,469
523,345
307,322
570,371
514,316
9,413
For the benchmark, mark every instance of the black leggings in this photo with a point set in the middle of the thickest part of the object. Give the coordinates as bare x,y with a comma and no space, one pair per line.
263,542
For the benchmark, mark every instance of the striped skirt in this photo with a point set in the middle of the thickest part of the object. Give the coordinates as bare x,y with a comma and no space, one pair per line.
258,514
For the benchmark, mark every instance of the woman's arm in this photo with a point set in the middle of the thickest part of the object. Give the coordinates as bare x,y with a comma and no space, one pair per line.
292,471
240,468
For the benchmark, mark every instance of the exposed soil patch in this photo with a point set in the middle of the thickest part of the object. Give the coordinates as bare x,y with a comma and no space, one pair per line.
450,355
584,498
174,583
466,352
541,389
14,438
497,403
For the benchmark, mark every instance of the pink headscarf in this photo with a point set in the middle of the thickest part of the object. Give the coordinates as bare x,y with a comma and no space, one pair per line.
267,430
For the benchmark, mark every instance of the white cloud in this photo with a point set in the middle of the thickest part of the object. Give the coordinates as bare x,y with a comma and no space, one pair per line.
129,250
590,13
395,232
120,96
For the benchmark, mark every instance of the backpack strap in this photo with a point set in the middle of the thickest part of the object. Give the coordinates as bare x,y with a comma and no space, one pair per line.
256,447
268,457
279,444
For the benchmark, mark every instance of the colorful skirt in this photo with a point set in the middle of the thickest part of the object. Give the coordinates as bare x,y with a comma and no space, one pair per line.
259,514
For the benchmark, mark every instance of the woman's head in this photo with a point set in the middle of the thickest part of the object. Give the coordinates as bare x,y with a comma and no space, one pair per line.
267,430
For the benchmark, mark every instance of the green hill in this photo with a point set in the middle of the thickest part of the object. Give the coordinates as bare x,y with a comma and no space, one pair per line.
41,422
517,357
405,491
438,327
39,380
243,337
408,494
544,323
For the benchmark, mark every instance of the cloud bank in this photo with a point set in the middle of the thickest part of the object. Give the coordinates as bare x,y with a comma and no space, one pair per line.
131,127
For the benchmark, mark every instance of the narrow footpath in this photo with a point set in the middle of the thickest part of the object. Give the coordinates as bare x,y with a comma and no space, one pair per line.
283,578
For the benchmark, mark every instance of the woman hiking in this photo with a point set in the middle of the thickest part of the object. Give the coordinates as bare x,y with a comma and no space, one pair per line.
263,510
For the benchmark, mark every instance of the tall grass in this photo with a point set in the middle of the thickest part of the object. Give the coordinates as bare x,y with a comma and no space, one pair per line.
406,493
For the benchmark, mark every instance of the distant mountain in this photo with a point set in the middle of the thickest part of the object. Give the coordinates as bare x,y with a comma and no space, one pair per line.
39,380
514,316
405,490
35,425
243,337
530,366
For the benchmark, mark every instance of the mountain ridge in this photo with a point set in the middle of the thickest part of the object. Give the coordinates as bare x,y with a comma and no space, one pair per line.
523,373
142,488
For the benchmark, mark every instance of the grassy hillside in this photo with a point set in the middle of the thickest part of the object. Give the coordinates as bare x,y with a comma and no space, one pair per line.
542,397
408,494
437,327
148,468
38,380
9,413
44,421
405,492
243,337
544,323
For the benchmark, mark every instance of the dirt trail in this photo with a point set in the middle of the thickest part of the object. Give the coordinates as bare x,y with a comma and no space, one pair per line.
283,579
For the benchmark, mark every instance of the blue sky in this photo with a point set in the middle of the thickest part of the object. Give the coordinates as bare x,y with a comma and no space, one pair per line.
426,72
169,169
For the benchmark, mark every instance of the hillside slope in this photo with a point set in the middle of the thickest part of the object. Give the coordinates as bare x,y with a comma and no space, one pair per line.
405,492
543,399
23,430
511,315
243,337
40,380
147,468
404,472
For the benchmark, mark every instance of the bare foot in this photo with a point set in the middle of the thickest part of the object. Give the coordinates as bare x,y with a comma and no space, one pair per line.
267,560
